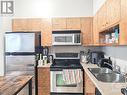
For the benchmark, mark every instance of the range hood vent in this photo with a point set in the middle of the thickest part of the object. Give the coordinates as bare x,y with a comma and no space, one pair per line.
66,31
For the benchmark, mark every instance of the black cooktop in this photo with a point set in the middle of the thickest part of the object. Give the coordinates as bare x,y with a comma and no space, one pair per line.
60,64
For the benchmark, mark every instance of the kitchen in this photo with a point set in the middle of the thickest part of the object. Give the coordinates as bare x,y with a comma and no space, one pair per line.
102,24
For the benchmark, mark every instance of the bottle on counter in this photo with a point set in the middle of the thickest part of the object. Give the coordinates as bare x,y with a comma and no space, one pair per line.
82,57
40,61
50,59
45,59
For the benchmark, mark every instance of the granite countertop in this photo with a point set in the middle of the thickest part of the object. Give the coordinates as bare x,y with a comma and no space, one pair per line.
13,82
104,88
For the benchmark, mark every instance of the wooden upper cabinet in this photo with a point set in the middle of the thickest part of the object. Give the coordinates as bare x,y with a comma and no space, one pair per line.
66,23
109,14
46,30
113,12
102,18
59,23
99,22
19,25
123,23
26,24
86,29
73,23
124,10
95,30
34,24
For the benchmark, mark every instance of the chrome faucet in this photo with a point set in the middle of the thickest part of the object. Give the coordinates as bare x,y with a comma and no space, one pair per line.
117,68
114,67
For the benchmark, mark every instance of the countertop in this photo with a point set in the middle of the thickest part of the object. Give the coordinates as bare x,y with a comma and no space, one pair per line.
104,88
13,82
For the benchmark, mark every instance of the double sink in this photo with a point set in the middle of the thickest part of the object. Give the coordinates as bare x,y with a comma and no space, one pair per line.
107,75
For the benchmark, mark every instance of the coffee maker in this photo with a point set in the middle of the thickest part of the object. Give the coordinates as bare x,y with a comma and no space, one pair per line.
46,57
95,56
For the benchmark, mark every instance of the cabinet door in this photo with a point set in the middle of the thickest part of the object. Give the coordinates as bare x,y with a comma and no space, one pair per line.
44,81
34,24
123,23
102,18
46,30
95,30
73,23
99,23
26,24
113,11
19,25
89,86
86,29
59,23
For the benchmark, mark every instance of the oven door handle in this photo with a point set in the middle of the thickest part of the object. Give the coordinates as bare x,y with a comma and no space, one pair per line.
56,69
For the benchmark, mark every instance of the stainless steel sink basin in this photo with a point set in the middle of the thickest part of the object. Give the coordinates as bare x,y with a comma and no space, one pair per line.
107,75
111,77
100,70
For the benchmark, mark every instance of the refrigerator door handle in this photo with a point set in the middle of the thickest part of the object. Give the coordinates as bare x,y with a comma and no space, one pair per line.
30,65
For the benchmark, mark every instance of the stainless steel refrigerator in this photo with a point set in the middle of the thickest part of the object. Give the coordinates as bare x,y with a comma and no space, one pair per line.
20,51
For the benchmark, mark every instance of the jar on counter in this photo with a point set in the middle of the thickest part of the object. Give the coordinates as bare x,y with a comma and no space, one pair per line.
82,57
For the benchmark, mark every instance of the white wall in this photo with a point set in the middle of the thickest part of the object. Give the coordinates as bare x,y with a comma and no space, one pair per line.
53,8
5,25
97,4
1,50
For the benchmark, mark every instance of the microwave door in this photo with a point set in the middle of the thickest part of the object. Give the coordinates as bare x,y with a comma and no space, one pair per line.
63,39
77,38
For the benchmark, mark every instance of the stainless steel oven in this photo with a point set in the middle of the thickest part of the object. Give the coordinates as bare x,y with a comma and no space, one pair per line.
62,62
58,85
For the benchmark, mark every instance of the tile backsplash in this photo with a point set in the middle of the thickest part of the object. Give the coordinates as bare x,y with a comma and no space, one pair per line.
119,62
122,64
59,49
74,49
118,55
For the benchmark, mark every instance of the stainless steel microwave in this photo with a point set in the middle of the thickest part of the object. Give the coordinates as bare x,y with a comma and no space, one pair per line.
68,37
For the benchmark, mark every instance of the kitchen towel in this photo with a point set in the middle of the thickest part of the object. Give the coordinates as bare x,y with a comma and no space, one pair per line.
72,76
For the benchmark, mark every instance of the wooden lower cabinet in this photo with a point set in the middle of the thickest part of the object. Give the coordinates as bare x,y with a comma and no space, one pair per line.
89,87
43,81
